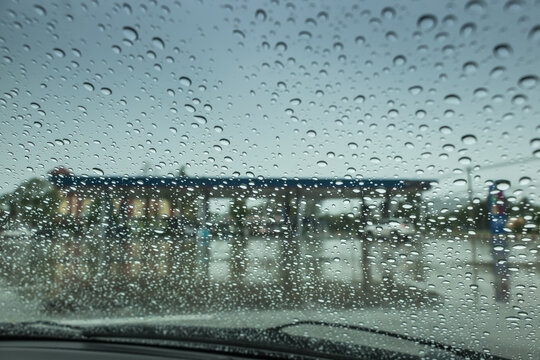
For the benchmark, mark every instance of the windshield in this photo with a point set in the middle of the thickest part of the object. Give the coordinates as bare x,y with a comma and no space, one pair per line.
246,164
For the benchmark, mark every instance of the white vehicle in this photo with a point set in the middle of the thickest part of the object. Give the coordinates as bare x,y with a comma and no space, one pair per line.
396,229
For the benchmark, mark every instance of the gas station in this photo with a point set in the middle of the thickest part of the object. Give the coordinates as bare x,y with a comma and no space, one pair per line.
120,193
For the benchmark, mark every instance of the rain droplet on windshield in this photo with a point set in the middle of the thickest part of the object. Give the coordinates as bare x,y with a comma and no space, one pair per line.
502,51
88,86
40,10
427,22
260,15
534,34
98,171
185,81
528,82
130,33
468,139
158,43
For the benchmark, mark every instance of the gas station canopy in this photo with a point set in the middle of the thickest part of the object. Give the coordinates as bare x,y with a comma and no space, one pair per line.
229,187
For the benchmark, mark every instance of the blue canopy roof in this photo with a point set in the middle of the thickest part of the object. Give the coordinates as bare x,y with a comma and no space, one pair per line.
79,182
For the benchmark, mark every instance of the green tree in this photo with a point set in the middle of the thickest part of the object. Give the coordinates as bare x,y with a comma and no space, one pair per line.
35,202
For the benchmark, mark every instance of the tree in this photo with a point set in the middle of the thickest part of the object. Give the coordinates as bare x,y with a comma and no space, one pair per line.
35,202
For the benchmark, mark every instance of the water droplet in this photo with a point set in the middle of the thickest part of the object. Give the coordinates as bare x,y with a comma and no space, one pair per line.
452,99
359,99
322,163
476,7
513,5
528,82
88,86
497,72
534,34
200,119
281,46
445,130
449,147
502,51
464,160
239,33
190,108
503,185
98,171
480,92
468,139
130,33
59,52
127,8
400,60
304,35
323,15
106,91
158,43
388,13
415,90
519,99
391,36
185,81
352,145
260,15
525,180
470,67
467,30
460,182
360,40
311,133
295,101
427,22
40,10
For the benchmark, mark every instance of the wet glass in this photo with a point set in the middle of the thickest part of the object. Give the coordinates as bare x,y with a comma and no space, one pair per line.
248,164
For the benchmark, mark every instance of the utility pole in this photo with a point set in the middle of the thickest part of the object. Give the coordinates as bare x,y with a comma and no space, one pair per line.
473,238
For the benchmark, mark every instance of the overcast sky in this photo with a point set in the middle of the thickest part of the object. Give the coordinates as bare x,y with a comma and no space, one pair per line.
331,89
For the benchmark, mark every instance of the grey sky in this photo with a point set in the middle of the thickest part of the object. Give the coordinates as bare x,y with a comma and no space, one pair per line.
246,68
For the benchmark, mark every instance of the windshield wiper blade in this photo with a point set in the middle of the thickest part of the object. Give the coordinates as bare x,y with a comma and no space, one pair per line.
49,324
39,328
252,342
471,354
